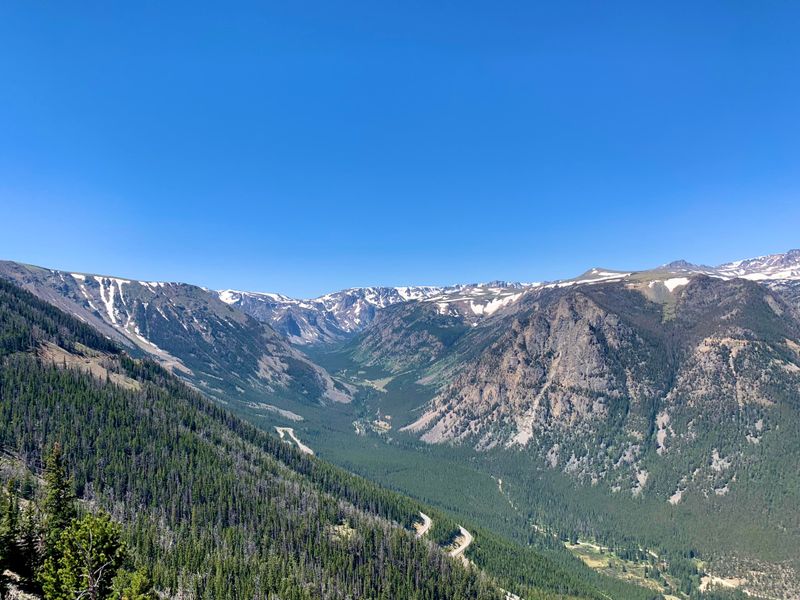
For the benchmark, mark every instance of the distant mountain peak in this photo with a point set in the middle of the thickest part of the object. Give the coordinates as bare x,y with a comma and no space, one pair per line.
679,264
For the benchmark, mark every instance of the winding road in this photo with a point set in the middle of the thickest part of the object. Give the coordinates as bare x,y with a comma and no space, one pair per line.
461,544
422,528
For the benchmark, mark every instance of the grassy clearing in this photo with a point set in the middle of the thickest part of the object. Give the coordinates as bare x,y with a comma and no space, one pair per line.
643,573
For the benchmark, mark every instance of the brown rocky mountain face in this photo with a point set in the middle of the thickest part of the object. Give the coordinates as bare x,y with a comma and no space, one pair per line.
599,379
408,336
562,361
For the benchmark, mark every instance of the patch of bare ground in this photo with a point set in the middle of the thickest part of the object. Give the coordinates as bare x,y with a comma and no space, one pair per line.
94,363
776,581
289,431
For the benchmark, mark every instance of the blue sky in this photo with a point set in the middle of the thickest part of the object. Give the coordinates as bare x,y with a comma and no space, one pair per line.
304,147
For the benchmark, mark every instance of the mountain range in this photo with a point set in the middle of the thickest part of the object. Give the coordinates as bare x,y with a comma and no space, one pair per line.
333,316
669,391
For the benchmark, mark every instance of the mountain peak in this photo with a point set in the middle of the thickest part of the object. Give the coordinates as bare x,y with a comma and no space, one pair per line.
679,264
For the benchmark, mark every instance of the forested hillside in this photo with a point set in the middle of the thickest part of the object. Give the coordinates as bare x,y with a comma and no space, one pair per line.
213,507
187,329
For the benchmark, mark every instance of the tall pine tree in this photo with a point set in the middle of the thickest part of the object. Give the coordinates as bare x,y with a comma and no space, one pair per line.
59,500
89,553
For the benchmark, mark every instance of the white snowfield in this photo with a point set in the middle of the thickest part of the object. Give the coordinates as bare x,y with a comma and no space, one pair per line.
675,282
284,431
234,296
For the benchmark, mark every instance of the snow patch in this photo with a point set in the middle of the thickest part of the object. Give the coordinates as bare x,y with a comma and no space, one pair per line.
675,282
229,296
109,302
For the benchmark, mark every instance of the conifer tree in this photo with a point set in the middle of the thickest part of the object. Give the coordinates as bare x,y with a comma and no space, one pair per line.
59,500
133,586
89,553
29,542
9,529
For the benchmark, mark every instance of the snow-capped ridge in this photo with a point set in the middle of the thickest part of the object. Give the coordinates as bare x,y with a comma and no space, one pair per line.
339,314
785,266
336,315
771,267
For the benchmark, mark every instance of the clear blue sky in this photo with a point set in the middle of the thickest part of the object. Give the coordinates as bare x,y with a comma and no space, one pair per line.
303,147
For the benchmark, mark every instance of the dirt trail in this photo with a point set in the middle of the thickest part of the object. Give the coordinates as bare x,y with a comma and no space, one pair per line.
422,528
283,431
